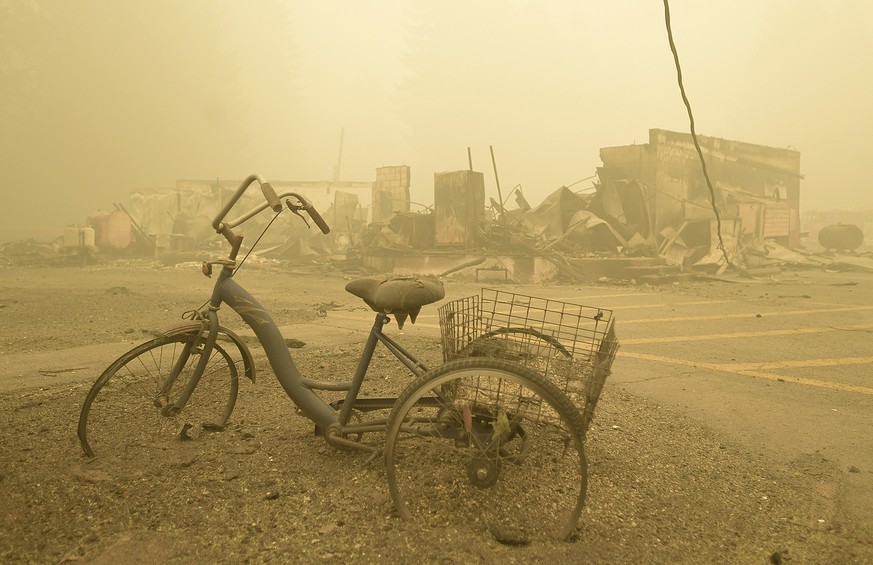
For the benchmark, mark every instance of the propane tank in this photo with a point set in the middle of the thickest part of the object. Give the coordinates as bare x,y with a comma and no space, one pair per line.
841,236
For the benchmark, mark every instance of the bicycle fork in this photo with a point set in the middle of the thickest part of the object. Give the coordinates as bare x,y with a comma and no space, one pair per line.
162,399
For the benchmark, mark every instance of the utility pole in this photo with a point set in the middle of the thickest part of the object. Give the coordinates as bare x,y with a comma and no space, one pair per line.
339,157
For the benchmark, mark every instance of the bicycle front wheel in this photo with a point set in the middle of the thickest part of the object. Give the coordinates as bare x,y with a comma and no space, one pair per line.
125,408
491,445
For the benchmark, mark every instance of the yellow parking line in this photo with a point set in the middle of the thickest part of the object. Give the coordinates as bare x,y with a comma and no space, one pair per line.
736,335
740,369
828,303
576,297
743,315
582,300
802,363
670,304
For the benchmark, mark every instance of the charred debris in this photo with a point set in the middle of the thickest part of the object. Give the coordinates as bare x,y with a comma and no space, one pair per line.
646,218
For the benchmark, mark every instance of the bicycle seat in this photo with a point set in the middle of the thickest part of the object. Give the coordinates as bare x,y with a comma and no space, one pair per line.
402,296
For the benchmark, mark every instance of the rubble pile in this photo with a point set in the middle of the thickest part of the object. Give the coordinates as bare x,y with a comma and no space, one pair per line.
648,217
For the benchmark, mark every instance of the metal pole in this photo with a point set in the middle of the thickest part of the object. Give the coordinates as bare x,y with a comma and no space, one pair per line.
497,180
339,157
470,158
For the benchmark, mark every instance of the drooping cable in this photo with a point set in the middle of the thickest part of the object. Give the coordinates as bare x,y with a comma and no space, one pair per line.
694,133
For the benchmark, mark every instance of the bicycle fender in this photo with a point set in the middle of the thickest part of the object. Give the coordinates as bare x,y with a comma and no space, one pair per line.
245,353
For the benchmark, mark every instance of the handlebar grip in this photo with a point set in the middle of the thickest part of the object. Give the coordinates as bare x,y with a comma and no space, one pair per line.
271,197
316,217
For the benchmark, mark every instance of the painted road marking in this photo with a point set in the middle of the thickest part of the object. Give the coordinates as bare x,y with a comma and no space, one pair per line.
575,300
669,304
738,335
802,363
829,303
742,315
576,297
633,306
744,370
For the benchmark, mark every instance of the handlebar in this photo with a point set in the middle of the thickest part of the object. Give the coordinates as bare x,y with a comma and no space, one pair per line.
273,201
269,196
316,217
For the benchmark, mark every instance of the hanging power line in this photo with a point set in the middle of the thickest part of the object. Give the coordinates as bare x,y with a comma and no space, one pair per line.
694,133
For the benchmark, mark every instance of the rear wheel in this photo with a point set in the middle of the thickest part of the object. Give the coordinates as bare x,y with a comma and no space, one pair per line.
491,445
127,409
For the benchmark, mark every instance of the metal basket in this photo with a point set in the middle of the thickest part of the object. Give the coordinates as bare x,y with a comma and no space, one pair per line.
571,345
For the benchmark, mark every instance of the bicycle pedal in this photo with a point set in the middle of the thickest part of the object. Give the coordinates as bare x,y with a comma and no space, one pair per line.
191,432
185,432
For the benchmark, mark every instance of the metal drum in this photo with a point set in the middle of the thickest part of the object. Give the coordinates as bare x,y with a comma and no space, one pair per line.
841,236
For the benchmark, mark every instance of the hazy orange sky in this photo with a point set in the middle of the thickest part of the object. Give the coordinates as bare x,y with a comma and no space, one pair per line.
102,97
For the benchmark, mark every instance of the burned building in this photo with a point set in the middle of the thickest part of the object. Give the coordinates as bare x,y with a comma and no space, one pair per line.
390,193
651,215
656,192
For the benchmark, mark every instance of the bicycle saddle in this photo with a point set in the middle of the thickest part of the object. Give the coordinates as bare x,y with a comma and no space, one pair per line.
402,296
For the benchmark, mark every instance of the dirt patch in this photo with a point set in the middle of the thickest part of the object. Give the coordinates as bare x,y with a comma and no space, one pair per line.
662,487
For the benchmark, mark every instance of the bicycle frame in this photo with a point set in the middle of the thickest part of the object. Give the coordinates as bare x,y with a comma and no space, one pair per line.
332,419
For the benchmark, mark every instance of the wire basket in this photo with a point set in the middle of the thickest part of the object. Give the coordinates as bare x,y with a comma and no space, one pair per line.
571,345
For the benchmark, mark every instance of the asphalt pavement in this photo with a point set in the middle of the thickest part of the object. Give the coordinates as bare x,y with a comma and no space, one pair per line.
782,366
